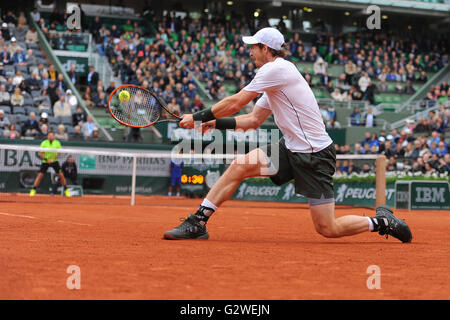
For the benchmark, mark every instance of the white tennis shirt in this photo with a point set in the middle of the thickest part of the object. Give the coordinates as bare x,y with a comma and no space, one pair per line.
294,107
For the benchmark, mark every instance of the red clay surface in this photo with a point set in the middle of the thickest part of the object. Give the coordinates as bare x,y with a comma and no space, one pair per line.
256,251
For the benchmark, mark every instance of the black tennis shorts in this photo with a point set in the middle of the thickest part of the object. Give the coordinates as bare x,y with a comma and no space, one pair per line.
312,172
55,165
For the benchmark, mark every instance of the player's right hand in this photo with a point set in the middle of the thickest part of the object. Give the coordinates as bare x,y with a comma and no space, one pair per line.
187,121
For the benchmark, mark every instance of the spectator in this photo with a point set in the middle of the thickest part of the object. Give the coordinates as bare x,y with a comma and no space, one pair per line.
73,74
19,57
61,133
88,127
17,99
35,15
409,89
333,124
355,117
364,82
44,120
350,70
92,77
4,121
18,78
5,32
5,97
31,127
77,134
12,132
13,46
134,135
60,84
71,100
370,119
95,135
40,71
43,101
33,84
20,32
69,170
383,86
61,108
78,117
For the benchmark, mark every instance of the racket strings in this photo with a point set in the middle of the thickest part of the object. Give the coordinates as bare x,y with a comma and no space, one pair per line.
140,110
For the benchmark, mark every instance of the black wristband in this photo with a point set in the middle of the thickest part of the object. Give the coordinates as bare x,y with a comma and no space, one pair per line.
226,123
204,115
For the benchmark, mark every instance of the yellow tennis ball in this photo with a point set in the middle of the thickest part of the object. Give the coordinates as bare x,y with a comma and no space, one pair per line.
124,96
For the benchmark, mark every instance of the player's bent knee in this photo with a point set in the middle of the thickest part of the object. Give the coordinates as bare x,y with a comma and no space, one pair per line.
327,231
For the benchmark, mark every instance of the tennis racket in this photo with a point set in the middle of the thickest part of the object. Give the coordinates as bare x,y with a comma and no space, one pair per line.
138,107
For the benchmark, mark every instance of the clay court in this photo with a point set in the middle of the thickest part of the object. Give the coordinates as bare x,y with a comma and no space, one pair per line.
257,250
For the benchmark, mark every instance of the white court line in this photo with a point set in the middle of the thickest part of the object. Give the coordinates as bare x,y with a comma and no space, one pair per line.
31,217
76,223
16,215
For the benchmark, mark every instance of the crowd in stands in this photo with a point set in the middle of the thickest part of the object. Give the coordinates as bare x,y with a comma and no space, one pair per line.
419,147
34,97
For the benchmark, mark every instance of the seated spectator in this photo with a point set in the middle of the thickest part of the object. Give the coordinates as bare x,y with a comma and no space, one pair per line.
102,101
44,130
31,36
18,78
4,121
20,32
5,56
39,71
61,133
43,101
174,107
333,124
13,46
31,126
95,136
6,35
17,99
78,117
423,77
60,84
88,127
43,120
409,89
11,132
5,97
71,100
77,135
445,164
19,57
61,108
33,83
441,150
399,88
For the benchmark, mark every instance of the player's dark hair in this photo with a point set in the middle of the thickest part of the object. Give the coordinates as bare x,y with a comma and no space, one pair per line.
276,53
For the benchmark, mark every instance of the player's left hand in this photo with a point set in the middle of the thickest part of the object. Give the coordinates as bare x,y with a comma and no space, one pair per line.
207,126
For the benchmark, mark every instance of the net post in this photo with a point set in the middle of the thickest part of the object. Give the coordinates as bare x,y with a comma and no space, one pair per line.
133,181
380,175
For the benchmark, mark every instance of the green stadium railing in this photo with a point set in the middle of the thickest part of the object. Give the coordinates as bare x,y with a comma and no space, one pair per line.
423,91
59,67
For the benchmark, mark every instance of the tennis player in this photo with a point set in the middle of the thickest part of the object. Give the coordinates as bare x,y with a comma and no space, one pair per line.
305,153
50,159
